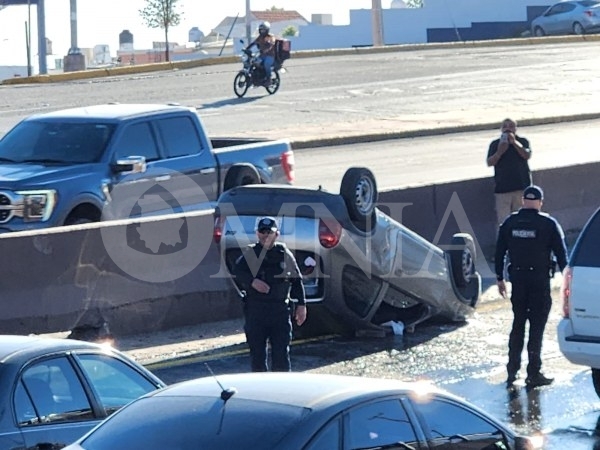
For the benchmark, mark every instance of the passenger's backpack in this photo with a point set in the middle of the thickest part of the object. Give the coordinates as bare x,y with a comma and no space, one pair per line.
282,49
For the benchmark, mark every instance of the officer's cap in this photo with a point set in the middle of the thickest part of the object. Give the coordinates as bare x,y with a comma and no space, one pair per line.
267,224
533,192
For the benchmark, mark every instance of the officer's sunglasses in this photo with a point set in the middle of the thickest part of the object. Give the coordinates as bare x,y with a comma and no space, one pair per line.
267,231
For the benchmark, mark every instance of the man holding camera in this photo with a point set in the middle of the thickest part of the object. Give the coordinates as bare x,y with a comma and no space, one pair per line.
509,155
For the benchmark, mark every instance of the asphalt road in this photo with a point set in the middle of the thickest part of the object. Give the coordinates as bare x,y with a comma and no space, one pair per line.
466,359
401,163
329,97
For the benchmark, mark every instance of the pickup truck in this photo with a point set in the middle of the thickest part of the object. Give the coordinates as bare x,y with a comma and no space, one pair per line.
97,163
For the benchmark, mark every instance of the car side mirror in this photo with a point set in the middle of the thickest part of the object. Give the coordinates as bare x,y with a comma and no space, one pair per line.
130,164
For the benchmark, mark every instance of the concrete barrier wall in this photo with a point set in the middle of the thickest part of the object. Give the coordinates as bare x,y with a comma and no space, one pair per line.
64,277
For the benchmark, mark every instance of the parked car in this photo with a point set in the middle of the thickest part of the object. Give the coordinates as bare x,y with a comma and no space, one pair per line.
85,164
55,390
579,330
272,411
361,268
568,17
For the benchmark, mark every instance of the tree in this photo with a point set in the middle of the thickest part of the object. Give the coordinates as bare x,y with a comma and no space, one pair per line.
414,3
161,14
289,31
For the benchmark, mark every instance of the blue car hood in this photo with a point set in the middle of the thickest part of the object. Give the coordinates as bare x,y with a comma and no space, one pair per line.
18,176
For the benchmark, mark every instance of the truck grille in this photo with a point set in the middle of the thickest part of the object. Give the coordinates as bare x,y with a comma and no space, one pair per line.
5,209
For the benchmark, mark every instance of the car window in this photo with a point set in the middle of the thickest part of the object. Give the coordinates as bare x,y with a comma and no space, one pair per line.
69,143
137,140
450,423
50,391
328,438
179,136
114,382
586,252
589,3
378,424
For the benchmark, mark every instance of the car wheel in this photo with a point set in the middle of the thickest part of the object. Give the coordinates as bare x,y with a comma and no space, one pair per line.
462,259
241,175
240,84
359,191
596,380
539,32
578,28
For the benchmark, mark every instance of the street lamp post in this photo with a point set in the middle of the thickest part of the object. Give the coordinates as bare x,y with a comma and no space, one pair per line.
248,23
28,38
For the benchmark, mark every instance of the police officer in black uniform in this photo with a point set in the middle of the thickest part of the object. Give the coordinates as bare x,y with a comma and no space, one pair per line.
268,273
533,240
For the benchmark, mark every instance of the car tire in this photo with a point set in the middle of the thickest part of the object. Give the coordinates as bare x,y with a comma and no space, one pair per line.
462,259
578,28
241,175
359,191
596,380
539,32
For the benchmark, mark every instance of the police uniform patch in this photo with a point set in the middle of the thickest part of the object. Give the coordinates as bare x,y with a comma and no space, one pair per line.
524,234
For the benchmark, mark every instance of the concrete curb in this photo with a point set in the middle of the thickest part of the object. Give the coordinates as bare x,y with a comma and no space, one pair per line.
189,64
374,137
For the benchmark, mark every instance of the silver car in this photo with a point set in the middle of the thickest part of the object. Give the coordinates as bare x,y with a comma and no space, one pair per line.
568,17
361,268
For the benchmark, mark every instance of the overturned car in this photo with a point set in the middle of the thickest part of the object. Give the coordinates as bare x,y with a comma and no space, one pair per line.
360,267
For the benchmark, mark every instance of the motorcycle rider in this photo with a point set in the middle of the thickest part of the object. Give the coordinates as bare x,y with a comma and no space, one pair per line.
265,41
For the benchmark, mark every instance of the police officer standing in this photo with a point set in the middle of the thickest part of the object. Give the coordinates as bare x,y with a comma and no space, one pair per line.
268,273
532,239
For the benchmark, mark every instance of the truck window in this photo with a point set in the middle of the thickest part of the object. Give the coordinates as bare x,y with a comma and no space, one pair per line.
179,136
69,143
137,140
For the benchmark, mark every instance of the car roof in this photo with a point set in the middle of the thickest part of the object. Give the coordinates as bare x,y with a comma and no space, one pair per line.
111,111
16,346
300,389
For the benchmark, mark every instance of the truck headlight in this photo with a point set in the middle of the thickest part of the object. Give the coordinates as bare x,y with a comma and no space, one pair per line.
36,206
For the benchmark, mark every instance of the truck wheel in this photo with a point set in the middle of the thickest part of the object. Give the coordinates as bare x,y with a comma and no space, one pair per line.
241,84
462,259
240,175
359,191
596,380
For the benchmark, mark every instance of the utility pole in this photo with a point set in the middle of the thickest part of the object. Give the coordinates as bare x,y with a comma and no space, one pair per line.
41,17
28,38
248,24
377,23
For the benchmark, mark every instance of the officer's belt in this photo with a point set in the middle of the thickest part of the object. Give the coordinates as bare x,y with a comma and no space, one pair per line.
523,268
269,301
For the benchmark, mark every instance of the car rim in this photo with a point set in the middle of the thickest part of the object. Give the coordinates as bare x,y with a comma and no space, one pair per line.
467,264
364,195
578,29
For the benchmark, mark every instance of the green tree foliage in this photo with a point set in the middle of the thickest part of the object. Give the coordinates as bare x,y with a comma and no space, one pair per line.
414,3
161,14
289,31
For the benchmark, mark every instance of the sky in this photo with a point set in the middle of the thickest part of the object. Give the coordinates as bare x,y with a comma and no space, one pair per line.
101,21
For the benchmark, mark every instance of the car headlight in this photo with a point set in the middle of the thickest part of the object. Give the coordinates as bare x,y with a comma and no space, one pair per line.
34,206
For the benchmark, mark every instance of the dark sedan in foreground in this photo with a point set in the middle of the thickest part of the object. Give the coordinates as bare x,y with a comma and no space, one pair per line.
361,268
52,391
300,411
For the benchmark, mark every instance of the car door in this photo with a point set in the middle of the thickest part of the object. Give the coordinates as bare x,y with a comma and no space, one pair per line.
134,194
51,406
450,425
190,168
563,19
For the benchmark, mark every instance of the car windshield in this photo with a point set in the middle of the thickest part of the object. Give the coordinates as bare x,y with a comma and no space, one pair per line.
55,143
187,423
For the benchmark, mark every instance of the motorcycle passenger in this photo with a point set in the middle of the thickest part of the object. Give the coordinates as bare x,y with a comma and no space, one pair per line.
265,41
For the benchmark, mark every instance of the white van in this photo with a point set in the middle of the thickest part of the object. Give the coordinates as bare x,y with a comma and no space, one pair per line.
579,330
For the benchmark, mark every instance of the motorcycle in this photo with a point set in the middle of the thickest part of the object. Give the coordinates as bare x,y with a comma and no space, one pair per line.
253,74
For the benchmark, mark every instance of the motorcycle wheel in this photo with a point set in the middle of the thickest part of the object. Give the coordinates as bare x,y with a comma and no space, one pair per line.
240,84
274,85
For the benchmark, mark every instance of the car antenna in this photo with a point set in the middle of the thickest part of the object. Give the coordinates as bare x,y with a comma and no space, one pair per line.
226,394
